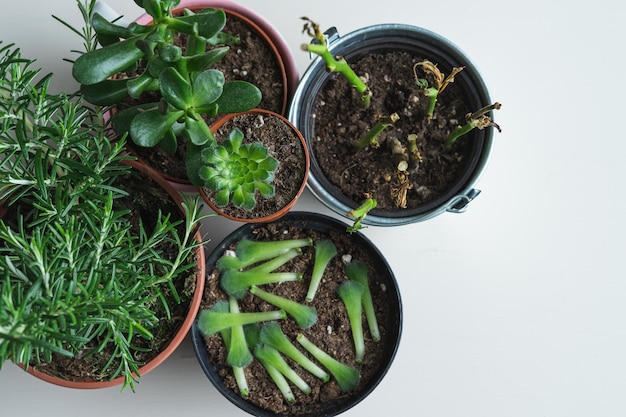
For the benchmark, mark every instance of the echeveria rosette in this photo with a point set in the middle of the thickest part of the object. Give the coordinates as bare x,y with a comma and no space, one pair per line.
235,171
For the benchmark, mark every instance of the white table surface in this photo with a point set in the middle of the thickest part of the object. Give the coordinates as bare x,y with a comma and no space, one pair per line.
516,307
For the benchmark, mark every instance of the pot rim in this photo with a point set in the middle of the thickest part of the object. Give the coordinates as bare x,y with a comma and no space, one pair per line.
408,36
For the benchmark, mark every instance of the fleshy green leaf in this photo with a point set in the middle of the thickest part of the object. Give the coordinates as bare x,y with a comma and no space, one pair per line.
221,197
105,93
269,164
98,65
198,132
148,128
210,21
266,190
207,88
138,85
237,97
175,89
201,62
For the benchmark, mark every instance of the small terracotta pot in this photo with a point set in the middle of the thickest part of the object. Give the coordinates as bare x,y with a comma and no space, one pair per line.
184,327
282,210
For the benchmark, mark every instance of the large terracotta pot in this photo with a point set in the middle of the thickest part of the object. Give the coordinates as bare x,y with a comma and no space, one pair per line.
184,327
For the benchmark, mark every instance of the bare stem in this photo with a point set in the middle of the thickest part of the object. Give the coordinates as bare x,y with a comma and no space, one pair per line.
334,64
371,137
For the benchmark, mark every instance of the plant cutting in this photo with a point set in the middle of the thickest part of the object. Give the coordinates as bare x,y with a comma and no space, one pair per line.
168,117
101,261
258,169
406,148
306,363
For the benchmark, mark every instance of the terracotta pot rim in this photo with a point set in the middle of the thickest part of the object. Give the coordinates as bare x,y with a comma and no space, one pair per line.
285,209
185,326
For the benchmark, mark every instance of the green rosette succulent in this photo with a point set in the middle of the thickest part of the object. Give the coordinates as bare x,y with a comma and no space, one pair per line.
235,171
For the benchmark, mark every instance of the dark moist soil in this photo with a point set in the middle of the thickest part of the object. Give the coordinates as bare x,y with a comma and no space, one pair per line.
283,144
251,60
145,198
339,123
331,332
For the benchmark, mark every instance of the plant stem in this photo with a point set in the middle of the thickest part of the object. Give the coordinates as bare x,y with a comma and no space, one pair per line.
371,136
335,64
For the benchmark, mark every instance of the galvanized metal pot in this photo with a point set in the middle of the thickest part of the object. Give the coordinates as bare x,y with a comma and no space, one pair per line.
419,42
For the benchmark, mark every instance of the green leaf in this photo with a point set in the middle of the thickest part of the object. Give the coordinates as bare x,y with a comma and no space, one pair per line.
266,190
237,97
238,198
122,119
197,63
194,164
169,143
153,8
269,164
105,93
108,32
148,128
100,64
175,89
210,21
222,197
257,151
136,86
207,88
233,143
198,132
171,53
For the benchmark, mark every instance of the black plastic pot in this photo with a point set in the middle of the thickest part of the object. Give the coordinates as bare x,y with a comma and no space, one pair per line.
393,325
419,42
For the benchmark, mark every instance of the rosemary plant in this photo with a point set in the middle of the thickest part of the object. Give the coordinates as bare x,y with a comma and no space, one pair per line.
76,276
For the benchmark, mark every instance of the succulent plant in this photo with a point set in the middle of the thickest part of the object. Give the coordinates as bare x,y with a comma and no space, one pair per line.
235,171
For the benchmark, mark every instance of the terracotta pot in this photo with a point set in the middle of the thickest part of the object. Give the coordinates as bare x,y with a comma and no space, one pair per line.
263,27
281,211
184,327
418,42
321,227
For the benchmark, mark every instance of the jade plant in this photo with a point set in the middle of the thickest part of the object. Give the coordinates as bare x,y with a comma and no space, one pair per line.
236,171
251,271
174,85
429,82
78,274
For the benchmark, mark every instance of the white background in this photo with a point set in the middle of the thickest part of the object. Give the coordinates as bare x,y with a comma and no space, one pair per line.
516,307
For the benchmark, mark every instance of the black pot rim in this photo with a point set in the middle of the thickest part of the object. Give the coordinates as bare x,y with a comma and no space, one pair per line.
415,40
321,223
